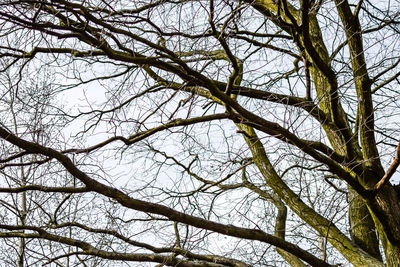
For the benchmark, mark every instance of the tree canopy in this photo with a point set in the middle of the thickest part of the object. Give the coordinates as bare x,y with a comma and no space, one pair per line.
199,133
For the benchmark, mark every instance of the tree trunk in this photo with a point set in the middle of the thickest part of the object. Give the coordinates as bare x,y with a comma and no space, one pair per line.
388,201
362,226
392,256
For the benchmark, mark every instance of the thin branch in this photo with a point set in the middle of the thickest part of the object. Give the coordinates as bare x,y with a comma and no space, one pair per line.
44,189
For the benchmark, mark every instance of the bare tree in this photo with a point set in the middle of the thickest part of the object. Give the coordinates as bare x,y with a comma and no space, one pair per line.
200,133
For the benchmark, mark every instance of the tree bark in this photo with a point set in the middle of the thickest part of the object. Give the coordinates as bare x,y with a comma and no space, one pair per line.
362,226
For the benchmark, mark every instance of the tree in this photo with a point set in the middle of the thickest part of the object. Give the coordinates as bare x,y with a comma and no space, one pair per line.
200,133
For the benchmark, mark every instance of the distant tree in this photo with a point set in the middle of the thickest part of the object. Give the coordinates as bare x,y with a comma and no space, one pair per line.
199,133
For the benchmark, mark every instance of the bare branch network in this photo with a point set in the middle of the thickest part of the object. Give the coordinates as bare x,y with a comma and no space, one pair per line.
199,133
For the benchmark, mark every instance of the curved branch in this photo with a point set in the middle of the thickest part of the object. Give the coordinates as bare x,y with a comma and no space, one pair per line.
91,250
209,258
145,206
144,134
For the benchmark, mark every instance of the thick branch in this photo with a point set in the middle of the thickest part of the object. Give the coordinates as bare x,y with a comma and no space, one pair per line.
91,250
325,227
362,82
